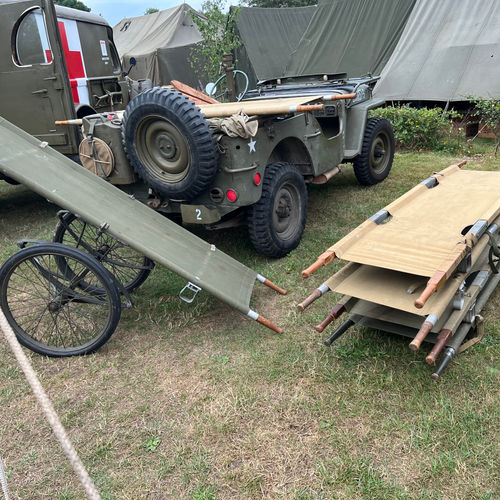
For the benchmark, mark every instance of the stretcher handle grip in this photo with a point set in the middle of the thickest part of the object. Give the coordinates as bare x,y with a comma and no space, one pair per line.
77,121
442,340
424,296
269,324
274,287
322,260
437,279
338,97
336,312
307,107
420,336
316,294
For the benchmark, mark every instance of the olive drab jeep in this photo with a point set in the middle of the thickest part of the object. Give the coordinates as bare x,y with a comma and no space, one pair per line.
56,64
167,153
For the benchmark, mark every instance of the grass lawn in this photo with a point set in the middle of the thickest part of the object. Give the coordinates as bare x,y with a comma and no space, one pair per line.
198,402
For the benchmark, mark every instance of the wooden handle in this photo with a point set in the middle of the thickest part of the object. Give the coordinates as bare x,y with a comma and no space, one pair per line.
322,260
307,107
442,340
420,336
274,287
77,121
436,280
306,303
424,296
338,97
335,313
269,324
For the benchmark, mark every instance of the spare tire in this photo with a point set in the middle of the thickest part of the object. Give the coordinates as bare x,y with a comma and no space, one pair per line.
169,144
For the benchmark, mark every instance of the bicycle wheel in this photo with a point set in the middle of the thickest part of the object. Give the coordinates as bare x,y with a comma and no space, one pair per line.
129,267
54,312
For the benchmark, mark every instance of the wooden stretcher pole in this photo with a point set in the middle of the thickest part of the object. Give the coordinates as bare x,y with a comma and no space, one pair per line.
340,247
336,311
263,321
460,257
77,121
443,337
425,329
316,294
433,285
270,284
457,316
321,261
338,97
264,107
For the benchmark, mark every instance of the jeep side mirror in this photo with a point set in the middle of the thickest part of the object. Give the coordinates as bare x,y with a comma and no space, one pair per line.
132,62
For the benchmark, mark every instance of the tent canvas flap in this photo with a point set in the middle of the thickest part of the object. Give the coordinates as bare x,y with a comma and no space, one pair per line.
448,50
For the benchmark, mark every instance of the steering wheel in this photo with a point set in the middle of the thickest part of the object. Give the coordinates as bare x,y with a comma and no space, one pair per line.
217,91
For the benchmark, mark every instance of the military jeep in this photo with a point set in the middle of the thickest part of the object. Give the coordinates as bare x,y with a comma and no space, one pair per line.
165,152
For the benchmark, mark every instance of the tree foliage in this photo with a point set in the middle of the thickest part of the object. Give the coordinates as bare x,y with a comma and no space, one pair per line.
151,10
488,110
73,4
216,27
280,3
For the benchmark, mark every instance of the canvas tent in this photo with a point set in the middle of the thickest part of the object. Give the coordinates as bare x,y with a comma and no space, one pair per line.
161,43
267,38
448,50
350,36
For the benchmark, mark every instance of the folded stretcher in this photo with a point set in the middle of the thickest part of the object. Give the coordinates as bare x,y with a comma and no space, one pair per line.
424,266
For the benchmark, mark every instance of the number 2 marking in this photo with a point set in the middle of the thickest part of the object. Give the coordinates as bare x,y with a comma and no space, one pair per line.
198,214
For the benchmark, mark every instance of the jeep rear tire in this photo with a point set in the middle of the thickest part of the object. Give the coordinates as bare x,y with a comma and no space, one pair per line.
374,162
276,222
169,144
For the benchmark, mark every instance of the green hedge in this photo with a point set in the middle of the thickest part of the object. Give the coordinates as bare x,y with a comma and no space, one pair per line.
422,128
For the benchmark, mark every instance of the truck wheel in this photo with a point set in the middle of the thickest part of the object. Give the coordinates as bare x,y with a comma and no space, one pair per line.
129,267
276,222
169,144
374,162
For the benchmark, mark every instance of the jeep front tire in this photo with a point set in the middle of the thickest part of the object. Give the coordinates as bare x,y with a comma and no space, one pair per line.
374,162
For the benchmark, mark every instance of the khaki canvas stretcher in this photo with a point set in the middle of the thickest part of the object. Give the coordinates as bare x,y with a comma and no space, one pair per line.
427,232
68,185
447,224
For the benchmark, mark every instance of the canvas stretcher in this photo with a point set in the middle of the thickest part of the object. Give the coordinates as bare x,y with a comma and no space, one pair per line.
447,224
63,182
429,231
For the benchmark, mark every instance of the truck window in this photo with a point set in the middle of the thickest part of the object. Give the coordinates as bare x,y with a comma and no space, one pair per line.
31,41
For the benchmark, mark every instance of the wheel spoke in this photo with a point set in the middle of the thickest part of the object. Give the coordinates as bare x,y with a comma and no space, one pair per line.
46,312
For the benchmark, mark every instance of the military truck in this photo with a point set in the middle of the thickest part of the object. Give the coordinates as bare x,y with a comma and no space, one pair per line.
167,153
55,64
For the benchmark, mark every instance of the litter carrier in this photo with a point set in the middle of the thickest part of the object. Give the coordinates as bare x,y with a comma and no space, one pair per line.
422,267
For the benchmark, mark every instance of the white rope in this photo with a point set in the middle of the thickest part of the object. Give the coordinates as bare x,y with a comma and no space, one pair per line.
48,409
3,480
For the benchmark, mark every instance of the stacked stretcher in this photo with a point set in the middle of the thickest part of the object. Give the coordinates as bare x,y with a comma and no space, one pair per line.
422,267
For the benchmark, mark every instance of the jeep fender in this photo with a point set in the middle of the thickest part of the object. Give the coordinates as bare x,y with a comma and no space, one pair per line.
356,117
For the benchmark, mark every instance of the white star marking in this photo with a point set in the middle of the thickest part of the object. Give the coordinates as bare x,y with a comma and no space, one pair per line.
251,146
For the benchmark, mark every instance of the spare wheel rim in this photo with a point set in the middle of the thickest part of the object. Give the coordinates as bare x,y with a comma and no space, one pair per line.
162,149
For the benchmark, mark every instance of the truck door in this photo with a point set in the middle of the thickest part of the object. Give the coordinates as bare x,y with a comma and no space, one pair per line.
35,90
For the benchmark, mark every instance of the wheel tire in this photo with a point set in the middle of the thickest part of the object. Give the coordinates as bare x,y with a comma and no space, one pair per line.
276,222
169,144
53,313
129,267
374,162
